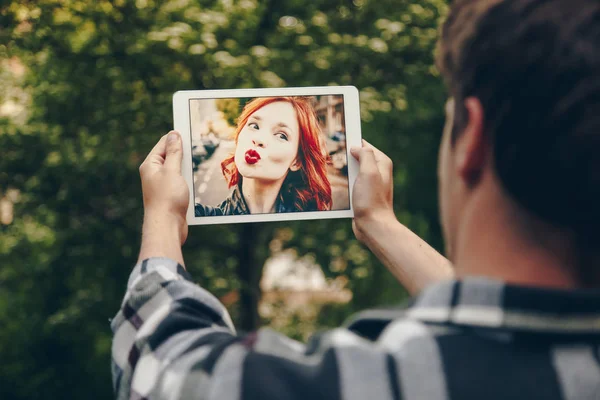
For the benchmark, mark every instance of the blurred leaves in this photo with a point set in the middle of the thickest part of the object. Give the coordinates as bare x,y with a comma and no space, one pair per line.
86,92
230,108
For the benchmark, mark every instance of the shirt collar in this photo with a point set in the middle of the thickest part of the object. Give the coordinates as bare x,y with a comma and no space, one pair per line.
238,201
478,302
488,303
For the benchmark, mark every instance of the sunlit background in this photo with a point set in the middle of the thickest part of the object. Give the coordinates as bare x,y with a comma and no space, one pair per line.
85,92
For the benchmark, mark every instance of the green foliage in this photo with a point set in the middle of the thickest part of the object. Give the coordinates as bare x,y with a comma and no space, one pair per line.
230,108
97,90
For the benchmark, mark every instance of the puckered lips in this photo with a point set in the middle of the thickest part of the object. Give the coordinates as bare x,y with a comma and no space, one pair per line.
252,156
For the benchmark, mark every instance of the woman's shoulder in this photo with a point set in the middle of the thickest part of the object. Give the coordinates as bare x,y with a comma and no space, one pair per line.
200,210
232,205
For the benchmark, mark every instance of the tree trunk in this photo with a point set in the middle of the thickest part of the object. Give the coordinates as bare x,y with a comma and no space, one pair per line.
249,272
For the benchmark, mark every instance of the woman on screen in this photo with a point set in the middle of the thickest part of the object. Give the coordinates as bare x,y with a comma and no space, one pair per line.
279,164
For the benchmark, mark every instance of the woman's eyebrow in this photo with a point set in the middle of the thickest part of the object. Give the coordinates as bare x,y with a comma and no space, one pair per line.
283,125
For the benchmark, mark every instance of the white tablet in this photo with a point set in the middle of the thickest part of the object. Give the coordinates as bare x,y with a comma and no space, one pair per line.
254,155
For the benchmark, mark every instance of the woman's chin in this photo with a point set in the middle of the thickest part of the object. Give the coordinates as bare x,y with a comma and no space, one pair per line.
258,178
247,171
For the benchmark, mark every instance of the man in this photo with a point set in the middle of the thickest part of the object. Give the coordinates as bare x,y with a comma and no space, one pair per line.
518,315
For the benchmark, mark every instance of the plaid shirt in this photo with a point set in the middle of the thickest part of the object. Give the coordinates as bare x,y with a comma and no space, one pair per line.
469,339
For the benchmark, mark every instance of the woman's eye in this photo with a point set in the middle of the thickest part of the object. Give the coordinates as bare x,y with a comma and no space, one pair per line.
253,125
282,136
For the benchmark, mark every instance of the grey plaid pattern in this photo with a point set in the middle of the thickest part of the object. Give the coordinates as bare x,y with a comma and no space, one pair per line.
470,339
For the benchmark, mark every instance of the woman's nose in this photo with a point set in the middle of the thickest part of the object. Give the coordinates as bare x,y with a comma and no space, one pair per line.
258,142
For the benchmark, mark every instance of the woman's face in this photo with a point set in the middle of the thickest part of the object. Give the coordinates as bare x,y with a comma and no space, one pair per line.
267,145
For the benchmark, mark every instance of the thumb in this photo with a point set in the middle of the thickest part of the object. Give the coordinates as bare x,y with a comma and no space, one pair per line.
367,163
174,153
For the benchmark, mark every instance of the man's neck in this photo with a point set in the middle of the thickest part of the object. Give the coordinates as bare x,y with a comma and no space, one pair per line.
497,239
260,196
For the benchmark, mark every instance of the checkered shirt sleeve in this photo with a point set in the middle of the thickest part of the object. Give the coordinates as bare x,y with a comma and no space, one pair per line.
174,340
166,327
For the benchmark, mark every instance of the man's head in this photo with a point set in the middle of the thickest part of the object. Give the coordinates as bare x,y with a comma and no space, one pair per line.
524,78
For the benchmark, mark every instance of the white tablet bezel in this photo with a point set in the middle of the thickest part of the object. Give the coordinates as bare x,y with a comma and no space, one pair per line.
181,117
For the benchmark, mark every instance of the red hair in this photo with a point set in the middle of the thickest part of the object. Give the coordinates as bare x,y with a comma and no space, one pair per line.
308,188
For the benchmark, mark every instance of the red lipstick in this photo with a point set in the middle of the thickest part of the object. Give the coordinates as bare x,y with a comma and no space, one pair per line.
252,156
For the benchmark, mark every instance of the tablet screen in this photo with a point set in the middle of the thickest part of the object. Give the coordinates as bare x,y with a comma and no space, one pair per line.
267,155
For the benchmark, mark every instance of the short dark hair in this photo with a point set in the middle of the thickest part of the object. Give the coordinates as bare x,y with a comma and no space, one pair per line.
535,67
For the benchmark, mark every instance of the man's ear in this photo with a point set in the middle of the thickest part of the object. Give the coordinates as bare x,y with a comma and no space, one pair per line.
471,146
295,165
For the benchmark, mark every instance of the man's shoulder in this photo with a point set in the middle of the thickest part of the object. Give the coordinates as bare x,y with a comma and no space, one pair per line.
396,327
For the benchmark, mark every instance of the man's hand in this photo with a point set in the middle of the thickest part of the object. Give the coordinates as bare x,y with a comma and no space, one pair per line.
412,261
372,196
163,186
166,199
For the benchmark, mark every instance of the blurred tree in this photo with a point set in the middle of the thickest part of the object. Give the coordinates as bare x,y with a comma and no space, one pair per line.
97,88
230,108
